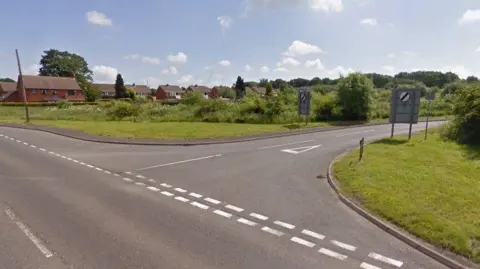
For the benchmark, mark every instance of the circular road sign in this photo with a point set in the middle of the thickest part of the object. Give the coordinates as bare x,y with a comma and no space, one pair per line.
404,96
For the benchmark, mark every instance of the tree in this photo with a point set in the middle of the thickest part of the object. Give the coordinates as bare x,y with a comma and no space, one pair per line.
153,91
91,92
6,80
354,96
130,93
315,81
472,79
268,89
240,87
120,90
64,64
263,82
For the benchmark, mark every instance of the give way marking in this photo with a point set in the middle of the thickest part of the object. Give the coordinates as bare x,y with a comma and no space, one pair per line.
301,149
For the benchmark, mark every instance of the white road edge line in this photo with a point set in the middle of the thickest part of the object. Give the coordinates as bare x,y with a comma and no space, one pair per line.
232,207
343,245
29,234
223,213
288,144
182,199
332,254
166,193
199,205
272,231
384,259
196,195
258,216
213,201
313,234
284,224
302,242
365,265
247,222
185,161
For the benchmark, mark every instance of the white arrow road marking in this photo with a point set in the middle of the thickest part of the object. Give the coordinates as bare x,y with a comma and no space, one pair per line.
300,150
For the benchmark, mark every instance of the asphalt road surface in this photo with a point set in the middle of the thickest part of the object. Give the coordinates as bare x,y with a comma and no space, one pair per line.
73,204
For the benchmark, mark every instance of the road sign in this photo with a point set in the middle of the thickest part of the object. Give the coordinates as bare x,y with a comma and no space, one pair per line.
405,107
430,96
300,150
404,96
304,98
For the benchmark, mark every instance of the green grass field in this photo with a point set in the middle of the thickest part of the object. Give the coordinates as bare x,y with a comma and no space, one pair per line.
430,188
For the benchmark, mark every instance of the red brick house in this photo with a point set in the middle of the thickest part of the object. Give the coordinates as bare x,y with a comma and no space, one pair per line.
47,89
207,92
169,92
8,91
108,90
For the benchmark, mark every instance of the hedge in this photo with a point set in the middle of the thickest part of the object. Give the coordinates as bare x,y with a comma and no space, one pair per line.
36,104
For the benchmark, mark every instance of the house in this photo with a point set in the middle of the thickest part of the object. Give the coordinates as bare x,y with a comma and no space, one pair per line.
43,89
169,92
108,90
8,91
205,91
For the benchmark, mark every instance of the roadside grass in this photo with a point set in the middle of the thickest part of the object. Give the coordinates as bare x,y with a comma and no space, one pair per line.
430,188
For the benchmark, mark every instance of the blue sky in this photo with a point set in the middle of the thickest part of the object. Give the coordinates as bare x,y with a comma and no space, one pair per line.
213,41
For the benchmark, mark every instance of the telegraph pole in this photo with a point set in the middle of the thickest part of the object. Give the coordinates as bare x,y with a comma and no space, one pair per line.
20,77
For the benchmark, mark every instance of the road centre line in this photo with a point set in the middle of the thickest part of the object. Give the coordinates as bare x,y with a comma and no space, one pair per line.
179,162
343,245
302,242
258,216
384,259
234,208
126,179
332,254
272,231
313,234
342,135
165,185
196,195
223,213
199,205
153,189
247,222
284,224
28,233
213,201
141,184
180,190
182,199
288,144
166,193
365,265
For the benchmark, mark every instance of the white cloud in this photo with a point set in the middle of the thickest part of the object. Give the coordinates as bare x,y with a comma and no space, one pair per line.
460,70
186,80
264,69
98,18
165,72
299,48
369,21
152,82
179,58
315,63
281,69
31,69
339,70
173,70
288,61
391,55
389,68
103,73
409,53
327,5
470,16
248,68
391,24
143,59
478,49
225,22
225,63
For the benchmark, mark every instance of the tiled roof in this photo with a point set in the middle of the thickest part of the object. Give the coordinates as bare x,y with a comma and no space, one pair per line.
49,83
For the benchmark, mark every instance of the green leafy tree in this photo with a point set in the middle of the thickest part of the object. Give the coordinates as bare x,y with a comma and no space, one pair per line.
472,79
130,93
120,90
227,93
263,82
153,91
354,96
91,92
453,88
269,89
6,80
240,88
64,64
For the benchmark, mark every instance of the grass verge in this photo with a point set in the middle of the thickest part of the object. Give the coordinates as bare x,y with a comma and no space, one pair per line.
430,188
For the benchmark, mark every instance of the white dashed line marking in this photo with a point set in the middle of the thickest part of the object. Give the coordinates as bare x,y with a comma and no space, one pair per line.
141,184
213,201
91,166
29,234
140,176
284,224
247,222
99,169
42,149
153,188
272,231
222,213
69,159
302,242
51,152
107,172
234,208
180,190
152,180
128,173
199,205
26,144
12,139
258,216
127,179
182,199
313,234
196,195
166,193
75,161
384,259
33,146
332,254
18,141
165,185
63,157
343,245
365,265
117,175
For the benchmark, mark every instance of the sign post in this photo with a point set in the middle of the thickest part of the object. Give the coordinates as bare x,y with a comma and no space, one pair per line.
429,96
25,102
404,108
304,98
362,143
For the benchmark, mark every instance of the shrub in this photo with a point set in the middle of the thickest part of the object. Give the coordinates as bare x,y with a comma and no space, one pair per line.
324,108
121,110
192,98
354,96
131,94
63,104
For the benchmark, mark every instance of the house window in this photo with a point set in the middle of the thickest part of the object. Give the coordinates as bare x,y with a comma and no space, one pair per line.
176,94
34,91
54,92
44,92
71,92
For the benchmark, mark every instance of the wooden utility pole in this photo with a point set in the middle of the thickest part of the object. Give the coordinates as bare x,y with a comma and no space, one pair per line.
20,78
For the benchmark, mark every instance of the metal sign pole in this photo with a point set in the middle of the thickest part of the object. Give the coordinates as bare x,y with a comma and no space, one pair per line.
412,112
393,111
27,114
428,114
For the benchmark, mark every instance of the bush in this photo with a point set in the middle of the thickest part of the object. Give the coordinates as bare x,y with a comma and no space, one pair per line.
46,104
354,96
131,94
324,108
63,104
465,128
121,110
191,98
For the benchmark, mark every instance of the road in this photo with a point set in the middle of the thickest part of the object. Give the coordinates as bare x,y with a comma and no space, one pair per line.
258,204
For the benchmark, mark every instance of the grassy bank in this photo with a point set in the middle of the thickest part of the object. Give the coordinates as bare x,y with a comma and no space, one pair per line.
430,188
